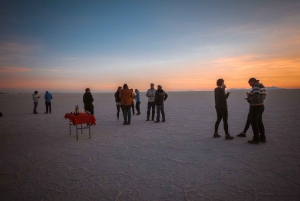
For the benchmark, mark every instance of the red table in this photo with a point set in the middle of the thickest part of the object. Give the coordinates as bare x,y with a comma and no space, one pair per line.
81,119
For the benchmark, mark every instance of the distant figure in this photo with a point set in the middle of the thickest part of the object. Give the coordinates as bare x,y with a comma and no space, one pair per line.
221,109
132,105
137,101
48,98
151,95
118,101
256,100
126,101
35,98
160,97
88,101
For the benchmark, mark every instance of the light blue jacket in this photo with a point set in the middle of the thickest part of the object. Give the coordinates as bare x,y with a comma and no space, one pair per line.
137,97
48,97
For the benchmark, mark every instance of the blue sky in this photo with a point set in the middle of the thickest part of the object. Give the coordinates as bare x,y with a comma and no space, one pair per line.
103,44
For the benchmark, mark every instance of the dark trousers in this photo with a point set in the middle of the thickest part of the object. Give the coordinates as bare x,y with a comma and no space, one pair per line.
35,106
137,107
151,105
255,115
222,113
132,105
48,105
118,109
247,123
126,113
160,109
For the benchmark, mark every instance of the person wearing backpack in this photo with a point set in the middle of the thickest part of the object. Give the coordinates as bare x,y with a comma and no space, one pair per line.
160,97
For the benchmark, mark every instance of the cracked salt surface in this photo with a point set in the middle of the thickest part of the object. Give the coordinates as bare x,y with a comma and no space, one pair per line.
176,160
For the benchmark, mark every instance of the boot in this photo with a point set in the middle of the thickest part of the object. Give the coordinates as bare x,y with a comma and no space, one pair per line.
147,118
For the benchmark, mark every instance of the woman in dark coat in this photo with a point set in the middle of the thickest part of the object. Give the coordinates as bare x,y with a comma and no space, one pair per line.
88,101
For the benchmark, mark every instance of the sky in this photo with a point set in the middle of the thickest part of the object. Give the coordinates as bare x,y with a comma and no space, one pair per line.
67,46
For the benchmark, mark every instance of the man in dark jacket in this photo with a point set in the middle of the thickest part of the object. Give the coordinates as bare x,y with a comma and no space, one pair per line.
160,97
256,100
118,101
88,101
221,108
48,97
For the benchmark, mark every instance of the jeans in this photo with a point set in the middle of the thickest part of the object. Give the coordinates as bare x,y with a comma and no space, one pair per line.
118,105
222,113
48,105
35,106
137,107
247,123
132,105
126,113
151,105
256,122
160,109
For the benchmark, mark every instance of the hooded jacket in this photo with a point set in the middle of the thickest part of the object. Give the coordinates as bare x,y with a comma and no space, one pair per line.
117,97
48,97
160,97
257,95
126,97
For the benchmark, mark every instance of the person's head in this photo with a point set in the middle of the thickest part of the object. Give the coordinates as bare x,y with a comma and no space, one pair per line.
46,91
125,86
220,82
36,92
136,90
159,87
152,85
87,90
119,88
252,81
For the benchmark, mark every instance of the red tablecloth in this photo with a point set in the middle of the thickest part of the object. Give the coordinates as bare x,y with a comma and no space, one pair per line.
81,118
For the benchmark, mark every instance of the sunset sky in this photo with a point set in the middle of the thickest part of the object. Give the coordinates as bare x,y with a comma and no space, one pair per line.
66,46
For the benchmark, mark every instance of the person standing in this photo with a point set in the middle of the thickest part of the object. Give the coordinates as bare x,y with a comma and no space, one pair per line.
160,97
221,108
151,95
88,101
132,105
35,98
48,97
256,100
118,101
126,101
137,102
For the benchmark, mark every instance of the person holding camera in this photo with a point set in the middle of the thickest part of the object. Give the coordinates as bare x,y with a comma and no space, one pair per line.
151,95
35,98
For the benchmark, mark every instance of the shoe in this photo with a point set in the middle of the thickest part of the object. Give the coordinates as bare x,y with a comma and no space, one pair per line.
46,113
216,135
228,137
128,123
163,121
125,123
262,140
156,121
35,113
253,141
138,114
147,119
242,134
132,113
152,119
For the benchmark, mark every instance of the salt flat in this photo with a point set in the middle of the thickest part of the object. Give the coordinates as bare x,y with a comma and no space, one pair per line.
176,160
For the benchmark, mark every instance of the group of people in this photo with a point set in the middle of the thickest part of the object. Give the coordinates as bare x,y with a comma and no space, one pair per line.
255,99
124,98
48,97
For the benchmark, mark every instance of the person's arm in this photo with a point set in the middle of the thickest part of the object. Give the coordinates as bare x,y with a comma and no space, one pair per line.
147,94
254,95
166,96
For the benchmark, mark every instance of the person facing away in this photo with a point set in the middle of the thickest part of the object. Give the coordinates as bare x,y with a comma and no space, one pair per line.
118,100
132,105
48,97
137,101
35,98
221,108
88,101
256,99
160,97
126,101
151,95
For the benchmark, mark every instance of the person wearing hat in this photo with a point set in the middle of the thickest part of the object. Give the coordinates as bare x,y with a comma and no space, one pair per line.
256,99
160,97
126,101
35,98
151,95
48,98
88,101
221,108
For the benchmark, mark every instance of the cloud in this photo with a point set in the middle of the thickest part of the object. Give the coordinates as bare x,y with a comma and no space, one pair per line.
14,69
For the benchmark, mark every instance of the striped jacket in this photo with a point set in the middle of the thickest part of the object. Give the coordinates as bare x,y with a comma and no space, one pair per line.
257,95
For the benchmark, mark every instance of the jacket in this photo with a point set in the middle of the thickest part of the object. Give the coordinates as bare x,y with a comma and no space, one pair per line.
160,97
48,97
88,100
137,97
151,94
117,97
126,97
35,98
220,98
257,95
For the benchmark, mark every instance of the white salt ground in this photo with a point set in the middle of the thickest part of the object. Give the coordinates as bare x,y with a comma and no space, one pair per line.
176,160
